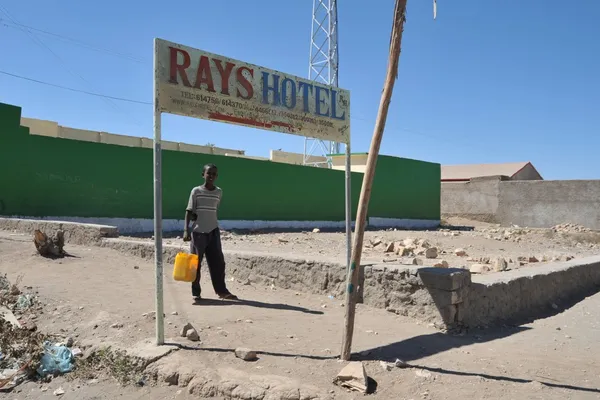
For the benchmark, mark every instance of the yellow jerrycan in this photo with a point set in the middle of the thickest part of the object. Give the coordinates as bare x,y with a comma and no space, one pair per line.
186,266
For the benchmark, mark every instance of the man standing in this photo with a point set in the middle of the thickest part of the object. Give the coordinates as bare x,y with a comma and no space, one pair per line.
206,236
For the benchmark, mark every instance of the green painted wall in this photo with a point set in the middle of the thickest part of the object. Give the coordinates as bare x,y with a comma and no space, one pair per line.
406,187
42,176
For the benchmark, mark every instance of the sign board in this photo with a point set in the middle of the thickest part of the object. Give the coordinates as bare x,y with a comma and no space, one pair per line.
195,83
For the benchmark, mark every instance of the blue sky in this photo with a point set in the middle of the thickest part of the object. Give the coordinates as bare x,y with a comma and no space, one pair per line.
488,81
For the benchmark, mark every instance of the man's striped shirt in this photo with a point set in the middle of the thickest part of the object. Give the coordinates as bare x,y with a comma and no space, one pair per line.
204,204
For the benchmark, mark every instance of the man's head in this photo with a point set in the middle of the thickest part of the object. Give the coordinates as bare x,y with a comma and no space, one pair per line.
210,173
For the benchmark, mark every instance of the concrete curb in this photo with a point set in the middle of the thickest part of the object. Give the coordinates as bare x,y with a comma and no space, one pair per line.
75,233
531,292
431,295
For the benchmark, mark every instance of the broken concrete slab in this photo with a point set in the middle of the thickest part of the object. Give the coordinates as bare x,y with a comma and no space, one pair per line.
148,351
354,377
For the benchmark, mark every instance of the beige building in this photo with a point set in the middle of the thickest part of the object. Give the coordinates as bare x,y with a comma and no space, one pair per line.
519,171
53,129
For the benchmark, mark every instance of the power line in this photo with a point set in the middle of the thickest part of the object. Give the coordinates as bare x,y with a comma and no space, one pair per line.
75,90
40,43
21,27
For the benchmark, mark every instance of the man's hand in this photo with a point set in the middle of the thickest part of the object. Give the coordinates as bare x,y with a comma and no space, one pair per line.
186,236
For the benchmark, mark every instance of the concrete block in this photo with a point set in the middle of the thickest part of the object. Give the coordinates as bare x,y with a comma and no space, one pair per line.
446,297
167,145
120,140
448,279
78,134
41,127
221,151
146,143
192,148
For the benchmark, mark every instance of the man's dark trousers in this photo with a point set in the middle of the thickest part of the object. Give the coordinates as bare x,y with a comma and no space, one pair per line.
209,244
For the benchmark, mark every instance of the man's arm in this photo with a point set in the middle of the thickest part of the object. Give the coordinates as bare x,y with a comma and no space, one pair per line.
189,216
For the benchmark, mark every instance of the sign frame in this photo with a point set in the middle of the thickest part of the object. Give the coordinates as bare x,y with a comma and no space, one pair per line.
159,68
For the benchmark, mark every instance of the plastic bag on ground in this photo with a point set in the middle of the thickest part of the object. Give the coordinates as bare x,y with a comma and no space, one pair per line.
56,360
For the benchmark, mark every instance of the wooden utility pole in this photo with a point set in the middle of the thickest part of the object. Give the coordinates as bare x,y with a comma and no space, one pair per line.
365,192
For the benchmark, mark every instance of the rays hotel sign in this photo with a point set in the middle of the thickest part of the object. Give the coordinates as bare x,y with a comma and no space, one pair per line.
195,83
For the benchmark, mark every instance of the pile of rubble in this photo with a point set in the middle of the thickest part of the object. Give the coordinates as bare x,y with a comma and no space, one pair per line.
570,228
419,251
26,353
406,248
21,346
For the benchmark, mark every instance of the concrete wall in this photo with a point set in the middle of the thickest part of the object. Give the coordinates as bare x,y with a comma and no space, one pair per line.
358,161
40,127
86,179
477,199
541,204
295,158
536,204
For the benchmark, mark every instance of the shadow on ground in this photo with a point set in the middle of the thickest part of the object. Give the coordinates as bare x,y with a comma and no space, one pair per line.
506,379
420,347
428,345
257,304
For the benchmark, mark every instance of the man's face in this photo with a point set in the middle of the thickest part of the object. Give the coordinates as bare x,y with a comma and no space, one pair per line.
210,175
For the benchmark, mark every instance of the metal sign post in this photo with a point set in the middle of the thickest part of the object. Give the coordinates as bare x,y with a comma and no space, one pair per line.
158,259
348,174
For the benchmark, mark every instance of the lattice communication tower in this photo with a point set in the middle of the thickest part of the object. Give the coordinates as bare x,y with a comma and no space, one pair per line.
323,68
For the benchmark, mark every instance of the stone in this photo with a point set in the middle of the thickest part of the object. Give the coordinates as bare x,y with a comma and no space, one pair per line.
422,373
116,326
408,242
353,376
316,230
460,252
423,243
386,366
246,354
389,247
174,313
185,329
59,392
69,342
401,363
375,243
403,251
500,264
532,259
192,335
441,264
415,261
479,268
431,252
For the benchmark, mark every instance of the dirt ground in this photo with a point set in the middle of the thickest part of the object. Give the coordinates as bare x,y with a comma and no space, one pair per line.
101,296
